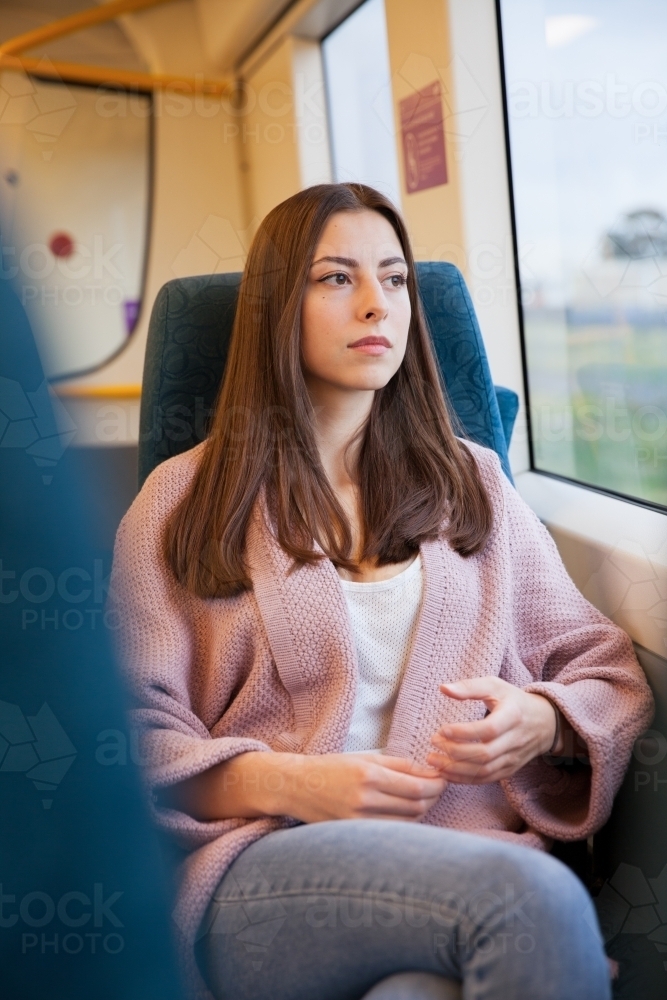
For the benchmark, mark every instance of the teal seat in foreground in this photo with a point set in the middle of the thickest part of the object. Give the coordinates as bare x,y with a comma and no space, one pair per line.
188,339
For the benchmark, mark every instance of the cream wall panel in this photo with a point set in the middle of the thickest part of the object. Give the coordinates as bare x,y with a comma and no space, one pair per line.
284,136
615,551
269,143
419,54
199,220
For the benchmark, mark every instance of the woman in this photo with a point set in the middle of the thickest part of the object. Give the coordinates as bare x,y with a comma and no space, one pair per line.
366,682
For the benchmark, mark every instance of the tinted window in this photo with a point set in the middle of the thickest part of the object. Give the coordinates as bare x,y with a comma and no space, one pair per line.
587,112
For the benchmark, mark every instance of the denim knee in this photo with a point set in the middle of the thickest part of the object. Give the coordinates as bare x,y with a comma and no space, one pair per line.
556,894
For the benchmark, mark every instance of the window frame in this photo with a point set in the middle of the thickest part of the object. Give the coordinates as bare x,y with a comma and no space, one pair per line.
604,491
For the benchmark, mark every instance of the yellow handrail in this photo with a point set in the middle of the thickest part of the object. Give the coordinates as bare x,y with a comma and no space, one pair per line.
131,391
10,57
68,25
80,73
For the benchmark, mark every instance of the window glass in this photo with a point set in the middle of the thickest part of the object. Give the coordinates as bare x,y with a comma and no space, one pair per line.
587,112
358,79
74,201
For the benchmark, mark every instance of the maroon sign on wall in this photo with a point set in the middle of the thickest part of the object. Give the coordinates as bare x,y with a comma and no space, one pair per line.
423,139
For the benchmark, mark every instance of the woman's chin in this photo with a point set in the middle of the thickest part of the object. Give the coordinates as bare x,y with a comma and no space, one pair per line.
357,382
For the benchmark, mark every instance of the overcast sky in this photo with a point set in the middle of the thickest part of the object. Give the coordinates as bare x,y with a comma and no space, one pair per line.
576,174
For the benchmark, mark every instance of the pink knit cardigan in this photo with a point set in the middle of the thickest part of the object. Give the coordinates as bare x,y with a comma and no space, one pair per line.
275,668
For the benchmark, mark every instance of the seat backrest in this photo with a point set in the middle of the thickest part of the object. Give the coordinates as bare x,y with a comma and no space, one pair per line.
188,340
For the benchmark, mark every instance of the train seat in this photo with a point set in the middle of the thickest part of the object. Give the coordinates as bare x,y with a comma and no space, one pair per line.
188,340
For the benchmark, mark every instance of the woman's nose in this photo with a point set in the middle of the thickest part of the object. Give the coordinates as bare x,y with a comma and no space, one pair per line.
373,303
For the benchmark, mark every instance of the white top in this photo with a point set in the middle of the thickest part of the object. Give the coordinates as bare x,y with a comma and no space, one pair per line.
383,617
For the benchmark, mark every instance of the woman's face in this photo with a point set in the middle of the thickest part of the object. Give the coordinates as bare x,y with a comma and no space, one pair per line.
356,309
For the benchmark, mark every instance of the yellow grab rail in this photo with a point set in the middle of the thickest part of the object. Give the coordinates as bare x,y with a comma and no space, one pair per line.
76,22
12,59
80,73
131,391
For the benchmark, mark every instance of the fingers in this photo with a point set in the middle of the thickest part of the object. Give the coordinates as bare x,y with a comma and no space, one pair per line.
490,728
475,752
396,807
465,762
401,778
486,689
471,773
500,696
395,776
395,817
373,785
403,764
406,786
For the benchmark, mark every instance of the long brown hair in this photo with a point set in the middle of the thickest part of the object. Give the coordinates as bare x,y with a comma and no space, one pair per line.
416,480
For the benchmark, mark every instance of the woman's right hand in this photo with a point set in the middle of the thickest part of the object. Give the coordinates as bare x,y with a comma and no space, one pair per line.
311,788
359,786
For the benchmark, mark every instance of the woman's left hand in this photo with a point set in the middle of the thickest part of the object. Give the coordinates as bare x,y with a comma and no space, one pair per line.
519,727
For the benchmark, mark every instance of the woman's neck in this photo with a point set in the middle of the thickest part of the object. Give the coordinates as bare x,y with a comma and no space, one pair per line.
339,416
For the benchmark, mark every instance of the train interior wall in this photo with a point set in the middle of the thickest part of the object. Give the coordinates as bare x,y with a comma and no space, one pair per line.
214,167
217,169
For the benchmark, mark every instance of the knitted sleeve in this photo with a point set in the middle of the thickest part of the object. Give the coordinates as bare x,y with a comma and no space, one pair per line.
584,664
155,639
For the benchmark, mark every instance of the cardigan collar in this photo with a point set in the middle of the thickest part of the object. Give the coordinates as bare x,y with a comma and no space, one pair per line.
315,652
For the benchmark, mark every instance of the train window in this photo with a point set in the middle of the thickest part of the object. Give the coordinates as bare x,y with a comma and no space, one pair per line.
75,168
586,99
361,117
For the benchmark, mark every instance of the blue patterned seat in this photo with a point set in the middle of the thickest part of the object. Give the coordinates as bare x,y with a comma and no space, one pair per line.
187,347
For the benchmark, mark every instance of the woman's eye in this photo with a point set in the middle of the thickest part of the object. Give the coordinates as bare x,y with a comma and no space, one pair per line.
339,278
397,280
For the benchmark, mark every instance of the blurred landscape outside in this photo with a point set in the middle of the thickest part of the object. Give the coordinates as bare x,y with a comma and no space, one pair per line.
587,108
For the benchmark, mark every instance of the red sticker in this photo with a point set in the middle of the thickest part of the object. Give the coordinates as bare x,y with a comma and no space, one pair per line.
423,134
61,245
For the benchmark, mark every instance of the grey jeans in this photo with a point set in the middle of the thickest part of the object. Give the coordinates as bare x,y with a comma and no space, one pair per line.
331,911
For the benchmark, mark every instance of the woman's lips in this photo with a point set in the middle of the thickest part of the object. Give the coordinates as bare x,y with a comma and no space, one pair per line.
371,345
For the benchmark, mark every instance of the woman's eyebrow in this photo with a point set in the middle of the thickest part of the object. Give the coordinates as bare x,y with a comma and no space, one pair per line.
389,261
345,261
350,262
